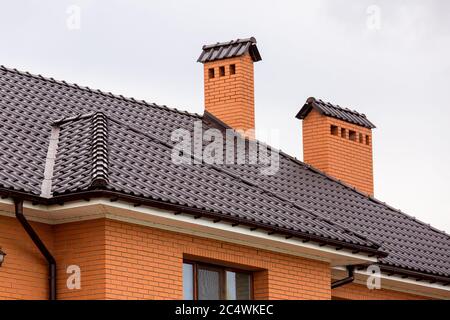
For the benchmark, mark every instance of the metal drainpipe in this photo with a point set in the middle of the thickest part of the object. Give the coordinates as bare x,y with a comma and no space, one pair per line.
349,279
18,204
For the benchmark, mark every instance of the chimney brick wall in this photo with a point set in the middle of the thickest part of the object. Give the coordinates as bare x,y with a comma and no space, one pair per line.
230,97
339,156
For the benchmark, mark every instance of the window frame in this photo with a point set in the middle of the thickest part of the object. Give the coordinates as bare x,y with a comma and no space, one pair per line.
222,277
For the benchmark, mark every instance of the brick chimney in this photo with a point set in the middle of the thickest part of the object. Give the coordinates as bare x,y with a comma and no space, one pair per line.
338,141
229,81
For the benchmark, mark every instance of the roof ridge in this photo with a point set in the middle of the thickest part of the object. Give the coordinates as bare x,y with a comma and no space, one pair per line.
99,151
226,43
99,92
79,116
345,109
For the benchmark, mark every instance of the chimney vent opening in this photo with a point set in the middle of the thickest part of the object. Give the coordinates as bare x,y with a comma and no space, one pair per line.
334,130
368,140
343,133
232,69
361,138
221,71
211,73
352,135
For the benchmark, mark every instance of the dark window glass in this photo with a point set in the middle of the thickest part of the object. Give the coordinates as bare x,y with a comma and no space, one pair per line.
238,286
208,284
211,73
334,130
221,71
243,286
352,135
232,69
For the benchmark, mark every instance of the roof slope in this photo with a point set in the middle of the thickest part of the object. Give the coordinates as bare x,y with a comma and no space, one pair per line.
334,111
137,136
140,164
298,199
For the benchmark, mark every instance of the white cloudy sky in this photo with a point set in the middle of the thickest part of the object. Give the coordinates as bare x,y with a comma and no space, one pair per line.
398,75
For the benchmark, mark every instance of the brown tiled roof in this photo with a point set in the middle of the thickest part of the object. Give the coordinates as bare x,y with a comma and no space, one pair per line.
230,49
334,111
126,143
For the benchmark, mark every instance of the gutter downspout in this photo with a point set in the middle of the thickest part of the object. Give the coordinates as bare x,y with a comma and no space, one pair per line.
18,204
349,279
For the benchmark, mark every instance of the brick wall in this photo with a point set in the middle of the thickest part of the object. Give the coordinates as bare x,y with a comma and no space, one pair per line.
24,274
125,261
231,97
345,159
82,244
146,263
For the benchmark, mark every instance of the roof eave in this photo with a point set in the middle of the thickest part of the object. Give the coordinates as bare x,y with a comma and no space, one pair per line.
137,200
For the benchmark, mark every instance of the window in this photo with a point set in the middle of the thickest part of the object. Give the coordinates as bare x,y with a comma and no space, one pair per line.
334,130
352,135
210,282
232,69
211,73
343,133
221,71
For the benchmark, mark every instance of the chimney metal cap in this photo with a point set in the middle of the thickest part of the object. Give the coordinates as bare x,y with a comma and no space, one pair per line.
230,49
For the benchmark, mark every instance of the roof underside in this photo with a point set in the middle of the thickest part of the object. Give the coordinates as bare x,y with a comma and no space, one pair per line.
298,199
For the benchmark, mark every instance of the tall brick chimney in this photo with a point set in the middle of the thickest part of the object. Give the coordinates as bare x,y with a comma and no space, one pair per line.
338,141
229,81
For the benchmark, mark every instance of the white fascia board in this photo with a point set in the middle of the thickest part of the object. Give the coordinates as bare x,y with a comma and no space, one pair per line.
397,283
187,224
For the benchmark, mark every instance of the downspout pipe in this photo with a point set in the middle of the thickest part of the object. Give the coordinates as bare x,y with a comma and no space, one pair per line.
349,279
18,204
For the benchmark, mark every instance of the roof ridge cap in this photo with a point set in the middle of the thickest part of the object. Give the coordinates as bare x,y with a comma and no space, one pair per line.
225,43
99,151
79,116
99,92
336,106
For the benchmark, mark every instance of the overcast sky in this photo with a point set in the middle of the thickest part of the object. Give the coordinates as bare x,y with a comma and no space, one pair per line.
387,59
